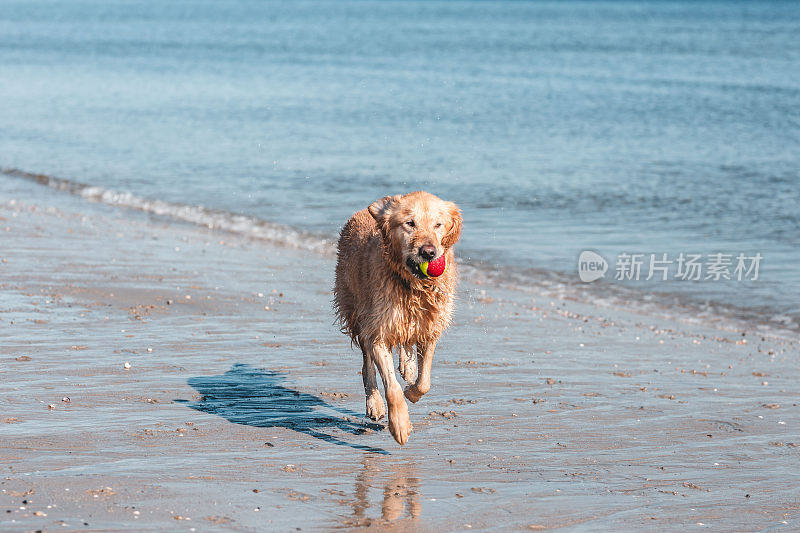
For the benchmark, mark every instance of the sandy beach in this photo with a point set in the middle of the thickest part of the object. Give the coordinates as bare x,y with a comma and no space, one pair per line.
161,376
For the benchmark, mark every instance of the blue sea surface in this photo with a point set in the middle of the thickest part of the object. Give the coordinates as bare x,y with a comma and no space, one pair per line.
619,126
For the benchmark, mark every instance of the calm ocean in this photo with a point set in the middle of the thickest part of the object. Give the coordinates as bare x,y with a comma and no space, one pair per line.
619,127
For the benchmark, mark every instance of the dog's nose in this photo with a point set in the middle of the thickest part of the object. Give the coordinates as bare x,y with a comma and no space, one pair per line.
427,252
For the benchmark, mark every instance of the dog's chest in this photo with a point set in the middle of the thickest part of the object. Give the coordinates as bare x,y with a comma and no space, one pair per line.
416,318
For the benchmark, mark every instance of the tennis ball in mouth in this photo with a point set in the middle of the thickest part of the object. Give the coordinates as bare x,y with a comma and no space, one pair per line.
435,268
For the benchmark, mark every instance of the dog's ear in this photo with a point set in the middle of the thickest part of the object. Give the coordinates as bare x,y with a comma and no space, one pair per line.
454,231
382,209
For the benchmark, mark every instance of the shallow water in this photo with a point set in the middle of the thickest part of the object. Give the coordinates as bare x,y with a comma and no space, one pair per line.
558,127
242,407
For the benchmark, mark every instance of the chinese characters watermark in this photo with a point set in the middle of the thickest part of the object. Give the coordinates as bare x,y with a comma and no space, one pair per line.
663,267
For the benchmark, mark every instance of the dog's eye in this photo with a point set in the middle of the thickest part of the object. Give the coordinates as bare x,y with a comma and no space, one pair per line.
410,224
438,225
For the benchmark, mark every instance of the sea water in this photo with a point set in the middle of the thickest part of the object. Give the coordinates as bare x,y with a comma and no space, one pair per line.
618,127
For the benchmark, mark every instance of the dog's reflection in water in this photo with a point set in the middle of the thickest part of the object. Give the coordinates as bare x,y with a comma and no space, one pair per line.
400,492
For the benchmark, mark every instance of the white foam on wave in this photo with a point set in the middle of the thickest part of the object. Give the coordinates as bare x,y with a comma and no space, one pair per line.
214,219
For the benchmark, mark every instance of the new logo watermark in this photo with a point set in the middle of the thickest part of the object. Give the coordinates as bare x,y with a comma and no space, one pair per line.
663,267
591,266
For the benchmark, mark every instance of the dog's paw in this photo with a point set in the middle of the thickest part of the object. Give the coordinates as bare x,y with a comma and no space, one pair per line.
399,422
413,393
376,409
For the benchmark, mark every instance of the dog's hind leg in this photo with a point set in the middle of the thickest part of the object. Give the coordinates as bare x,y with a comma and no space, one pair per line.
399,423
407,363
424,361
376,409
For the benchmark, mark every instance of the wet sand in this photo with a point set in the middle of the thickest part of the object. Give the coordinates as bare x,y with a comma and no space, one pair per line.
160,376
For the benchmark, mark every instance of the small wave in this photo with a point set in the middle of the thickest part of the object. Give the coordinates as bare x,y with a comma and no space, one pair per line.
683,308
249,226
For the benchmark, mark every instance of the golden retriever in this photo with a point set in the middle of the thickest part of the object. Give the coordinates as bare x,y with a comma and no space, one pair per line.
385,300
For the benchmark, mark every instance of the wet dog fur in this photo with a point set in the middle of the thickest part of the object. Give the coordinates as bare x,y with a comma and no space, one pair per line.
384,302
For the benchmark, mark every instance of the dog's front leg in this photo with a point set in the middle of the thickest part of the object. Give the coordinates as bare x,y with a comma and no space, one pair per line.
399,423
424,361
375,407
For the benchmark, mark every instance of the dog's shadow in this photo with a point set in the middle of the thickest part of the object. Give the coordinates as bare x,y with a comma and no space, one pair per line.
255,397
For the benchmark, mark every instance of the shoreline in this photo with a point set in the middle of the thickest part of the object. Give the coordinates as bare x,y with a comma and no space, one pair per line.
242,408
677,306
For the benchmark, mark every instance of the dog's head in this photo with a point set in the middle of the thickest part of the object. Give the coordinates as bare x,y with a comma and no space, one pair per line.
417,227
